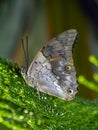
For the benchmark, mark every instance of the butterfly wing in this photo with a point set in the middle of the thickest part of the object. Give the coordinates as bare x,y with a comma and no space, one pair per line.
61,46
52,70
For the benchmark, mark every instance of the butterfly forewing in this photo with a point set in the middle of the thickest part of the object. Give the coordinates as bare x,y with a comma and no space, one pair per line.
61,45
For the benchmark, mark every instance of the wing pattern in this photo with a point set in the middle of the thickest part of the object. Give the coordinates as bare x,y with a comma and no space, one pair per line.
52,71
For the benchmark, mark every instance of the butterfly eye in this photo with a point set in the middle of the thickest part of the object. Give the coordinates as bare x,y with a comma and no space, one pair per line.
69,91
68,67
24,70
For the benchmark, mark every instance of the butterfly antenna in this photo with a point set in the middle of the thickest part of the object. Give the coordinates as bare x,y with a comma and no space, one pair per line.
25,51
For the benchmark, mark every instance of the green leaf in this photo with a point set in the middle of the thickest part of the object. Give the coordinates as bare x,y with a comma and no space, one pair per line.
93,60
89,84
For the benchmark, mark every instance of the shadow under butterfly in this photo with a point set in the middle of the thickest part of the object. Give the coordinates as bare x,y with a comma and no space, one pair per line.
52,71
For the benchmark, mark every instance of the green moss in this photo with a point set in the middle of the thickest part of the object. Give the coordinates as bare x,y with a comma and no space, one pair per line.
23,108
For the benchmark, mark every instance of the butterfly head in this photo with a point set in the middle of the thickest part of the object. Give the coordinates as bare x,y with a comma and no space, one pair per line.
24,72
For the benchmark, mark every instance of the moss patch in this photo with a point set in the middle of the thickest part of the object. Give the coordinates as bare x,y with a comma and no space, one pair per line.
23,108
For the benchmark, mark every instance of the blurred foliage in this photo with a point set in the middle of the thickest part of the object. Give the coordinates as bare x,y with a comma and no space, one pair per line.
22,108
93,85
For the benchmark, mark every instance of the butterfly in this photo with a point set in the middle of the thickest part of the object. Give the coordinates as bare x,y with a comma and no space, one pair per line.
52,71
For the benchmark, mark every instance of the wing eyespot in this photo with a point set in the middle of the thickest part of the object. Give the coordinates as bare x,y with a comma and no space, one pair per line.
68,67
69,91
